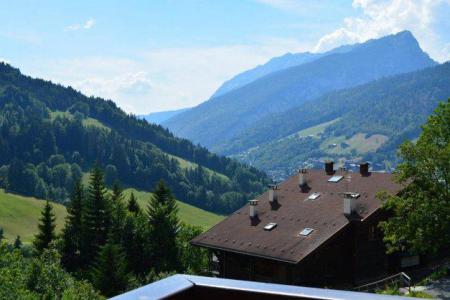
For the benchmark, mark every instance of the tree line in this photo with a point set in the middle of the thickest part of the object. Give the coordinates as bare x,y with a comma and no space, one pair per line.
112,244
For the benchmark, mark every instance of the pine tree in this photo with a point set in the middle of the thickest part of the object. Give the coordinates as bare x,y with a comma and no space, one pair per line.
1,234
17,242
163,226
133,206
96,218
46,228
135,244
73,230
119,213
110,272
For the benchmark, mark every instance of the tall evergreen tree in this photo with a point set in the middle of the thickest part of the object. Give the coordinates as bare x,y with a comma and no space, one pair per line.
119,213
17,242
136,245
97,216
110,272
133,206
163,225
1,234
46,228
73,230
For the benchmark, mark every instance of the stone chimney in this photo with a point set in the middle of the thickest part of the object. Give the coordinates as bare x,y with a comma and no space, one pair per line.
302,174
349,204
273,196
364,169
329,167
253,213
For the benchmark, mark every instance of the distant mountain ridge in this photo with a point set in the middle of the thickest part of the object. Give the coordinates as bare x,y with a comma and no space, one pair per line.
390,109
216,122
273,65
162,116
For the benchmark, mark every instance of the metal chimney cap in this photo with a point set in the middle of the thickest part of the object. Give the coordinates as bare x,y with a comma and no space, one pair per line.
253,202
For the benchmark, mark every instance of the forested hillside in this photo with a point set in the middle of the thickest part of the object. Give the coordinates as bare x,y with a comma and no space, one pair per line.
216,122
366,122
50,135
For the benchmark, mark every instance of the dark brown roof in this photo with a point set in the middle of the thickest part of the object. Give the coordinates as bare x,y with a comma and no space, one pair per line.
325,215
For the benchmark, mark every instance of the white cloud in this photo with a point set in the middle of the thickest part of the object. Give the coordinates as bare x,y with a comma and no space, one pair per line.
86,25
162,79
384,17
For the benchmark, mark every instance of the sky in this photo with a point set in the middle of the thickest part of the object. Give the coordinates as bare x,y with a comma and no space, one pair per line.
157,55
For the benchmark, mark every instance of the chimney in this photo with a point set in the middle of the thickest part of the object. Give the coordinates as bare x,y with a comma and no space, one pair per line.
364,168
329,167
273,197
253,213
349,203
302,177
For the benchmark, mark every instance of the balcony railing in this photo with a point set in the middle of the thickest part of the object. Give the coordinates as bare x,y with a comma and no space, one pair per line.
197,287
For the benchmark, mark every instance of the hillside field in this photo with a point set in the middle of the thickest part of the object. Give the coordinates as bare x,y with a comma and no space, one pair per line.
19,215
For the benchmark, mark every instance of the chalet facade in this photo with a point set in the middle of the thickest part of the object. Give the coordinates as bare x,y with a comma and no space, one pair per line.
317,228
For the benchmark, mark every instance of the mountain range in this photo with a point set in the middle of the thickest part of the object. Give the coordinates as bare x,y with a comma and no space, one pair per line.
322,108
216,122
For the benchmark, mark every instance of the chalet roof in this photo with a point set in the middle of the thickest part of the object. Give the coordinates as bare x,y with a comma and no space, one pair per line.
295,213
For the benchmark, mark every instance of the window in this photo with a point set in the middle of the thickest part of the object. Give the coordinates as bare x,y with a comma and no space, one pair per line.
306,232
270,226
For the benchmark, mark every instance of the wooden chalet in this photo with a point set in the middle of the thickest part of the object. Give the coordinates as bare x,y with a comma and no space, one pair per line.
317,228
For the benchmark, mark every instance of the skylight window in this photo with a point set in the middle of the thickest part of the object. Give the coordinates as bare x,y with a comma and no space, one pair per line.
306,232
335,178
270,226
314,196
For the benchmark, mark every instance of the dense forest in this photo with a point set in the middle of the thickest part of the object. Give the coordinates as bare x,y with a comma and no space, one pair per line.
50,135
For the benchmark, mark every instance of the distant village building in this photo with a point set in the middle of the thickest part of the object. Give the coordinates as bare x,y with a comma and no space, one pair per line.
317,228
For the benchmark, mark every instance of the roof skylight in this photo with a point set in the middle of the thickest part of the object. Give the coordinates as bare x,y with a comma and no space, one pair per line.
335,178
305,232
314,196
270,226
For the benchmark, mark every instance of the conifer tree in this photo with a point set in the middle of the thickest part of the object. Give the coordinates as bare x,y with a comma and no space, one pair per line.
119,213
110,272
1,234
133,206
73,230
163,225
96,217
17,242
46,228
135,244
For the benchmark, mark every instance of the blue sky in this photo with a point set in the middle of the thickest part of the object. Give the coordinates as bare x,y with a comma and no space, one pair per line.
158,55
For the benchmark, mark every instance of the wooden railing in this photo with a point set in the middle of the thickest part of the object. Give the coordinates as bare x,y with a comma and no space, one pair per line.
398,280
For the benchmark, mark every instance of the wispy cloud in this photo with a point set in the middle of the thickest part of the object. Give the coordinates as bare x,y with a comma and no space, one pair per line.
86,25
165,78
380,18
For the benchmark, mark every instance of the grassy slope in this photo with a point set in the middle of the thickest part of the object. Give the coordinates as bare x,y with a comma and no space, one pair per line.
86,122
188,214
358,142
19,215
